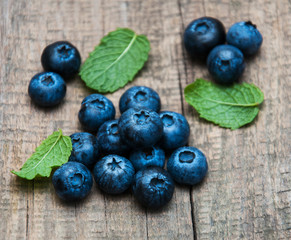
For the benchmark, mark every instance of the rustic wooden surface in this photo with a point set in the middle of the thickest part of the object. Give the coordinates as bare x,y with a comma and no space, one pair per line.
247,192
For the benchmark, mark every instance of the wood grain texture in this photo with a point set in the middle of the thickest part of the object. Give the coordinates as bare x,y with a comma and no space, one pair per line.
247,192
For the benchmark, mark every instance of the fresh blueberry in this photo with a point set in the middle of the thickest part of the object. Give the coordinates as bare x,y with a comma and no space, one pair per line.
140,128
226,64
187,165
109,139
140,97
85,149
47,89
72,181
61,57
113,174
151,156
245,36
153,187
95,110
176,130
202,35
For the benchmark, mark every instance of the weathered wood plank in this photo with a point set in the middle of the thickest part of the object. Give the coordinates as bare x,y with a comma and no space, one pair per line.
247,192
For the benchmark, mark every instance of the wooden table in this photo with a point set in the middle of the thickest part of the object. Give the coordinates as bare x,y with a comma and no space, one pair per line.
247,192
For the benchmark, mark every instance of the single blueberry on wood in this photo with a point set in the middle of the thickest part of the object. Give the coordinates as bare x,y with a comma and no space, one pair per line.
245,36
95,110
72,181
140,128
113,174
153,187
187,165
85,149
150,156
226,64
176,130
61,57
140,97
47,89
202,35
109,139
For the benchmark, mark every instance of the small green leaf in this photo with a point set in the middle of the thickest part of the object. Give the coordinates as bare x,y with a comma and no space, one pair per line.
53,152
115,61
229,107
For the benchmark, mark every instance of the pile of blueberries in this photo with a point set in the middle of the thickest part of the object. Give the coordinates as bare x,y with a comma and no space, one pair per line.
205,37
129,152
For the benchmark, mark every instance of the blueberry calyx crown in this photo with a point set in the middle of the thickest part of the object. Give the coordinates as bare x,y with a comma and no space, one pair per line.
47,80
148,153
98,103
64,51
251,24
158,184
186,157
141,117
114,164
168,120
202,28
77,180
113,129
140,96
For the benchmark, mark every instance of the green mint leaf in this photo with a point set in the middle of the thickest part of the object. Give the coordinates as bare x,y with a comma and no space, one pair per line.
229,107
115,61
53,152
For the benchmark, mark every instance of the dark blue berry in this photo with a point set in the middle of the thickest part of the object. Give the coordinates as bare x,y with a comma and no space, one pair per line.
140,97
226,64
176,130
113,174
245,36
150,156
47,89
109,139
187,165
140,128
85,149
72,181
202,35
153,187
61,57
95,110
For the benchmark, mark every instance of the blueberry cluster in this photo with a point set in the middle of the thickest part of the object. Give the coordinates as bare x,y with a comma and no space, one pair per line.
205,38
129,152
61,61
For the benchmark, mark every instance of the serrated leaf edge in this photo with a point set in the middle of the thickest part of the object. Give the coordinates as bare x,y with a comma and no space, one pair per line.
58,138
103,41
216,122
228,103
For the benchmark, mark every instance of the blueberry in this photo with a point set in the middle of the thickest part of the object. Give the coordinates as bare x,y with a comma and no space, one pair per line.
113,174
153,187
202,35
61,57
140,128
72,181
47,89
151,156
245,36
85,149
95,110
226,64
187,165
140,97
176,130
109,139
